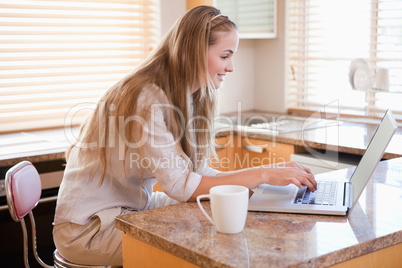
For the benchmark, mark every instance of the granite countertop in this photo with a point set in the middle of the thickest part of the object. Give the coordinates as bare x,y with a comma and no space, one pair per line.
344,136
279,239
34,146
351,138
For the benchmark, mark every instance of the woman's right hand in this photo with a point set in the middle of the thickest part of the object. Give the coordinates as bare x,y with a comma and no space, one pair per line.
281,174
290,172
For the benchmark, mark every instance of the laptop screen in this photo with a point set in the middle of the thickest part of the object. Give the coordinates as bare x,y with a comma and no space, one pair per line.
373,154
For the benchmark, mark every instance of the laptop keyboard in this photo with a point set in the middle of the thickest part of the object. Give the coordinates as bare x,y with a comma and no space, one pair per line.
324,195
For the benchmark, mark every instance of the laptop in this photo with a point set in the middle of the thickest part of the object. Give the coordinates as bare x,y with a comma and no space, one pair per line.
332,197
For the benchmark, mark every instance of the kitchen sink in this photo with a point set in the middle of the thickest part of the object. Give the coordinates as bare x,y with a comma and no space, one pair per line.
271,124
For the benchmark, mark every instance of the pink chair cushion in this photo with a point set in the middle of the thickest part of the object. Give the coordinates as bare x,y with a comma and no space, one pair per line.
26,189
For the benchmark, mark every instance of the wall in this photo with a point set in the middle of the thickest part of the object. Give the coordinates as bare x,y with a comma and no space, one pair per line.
170,11
269,65
258,80
238,89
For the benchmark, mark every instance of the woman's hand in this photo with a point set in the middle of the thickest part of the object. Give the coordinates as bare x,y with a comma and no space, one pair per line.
280,174
283,174
294,165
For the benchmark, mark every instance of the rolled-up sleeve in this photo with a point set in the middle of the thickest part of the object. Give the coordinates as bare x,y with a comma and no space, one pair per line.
208,171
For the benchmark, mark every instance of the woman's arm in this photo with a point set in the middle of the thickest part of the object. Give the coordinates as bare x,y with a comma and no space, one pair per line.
280,174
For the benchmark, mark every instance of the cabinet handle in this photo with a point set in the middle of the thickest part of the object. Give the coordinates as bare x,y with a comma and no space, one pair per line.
255,149
219,147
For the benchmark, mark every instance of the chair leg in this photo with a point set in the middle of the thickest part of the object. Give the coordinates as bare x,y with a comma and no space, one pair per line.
35,249
25,242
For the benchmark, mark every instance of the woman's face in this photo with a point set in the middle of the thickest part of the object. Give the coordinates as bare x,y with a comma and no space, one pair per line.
220,56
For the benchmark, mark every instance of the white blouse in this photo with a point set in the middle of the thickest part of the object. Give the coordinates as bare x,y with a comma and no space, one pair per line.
80,197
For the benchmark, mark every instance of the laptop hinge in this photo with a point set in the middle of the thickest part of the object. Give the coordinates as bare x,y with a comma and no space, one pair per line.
348,195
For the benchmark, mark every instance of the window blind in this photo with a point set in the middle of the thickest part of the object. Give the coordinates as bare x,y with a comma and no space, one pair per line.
59,57
324,37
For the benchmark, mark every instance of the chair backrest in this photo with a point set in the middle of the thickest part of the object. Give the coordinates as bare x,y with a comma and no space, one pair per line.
23,189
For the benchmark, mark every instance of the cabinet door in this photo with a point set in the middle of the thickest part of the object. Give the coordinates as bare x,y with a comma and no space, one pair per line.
228,150
256,19
222,145
259,152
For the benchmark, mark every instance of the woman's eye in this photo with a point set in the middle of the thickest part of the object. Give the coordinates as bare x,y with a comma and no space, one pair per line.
225,57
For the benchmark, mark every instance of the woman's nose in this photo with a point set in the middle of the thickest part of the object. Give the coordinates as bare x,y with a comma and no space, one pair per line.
230,67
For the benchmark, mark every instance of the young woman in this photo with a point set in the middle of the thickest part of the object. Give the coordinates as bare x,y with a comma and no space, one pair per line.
153,126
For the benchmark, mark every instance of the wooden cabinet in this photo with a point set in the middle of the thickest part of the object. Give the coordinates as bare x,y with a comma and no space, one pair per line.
227,149
235,152
255,19
147,255
260,152
221,148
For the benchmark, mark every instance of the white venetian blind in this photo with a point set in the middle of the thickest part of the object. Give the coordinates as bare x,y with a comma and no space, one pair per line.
58,57
324,37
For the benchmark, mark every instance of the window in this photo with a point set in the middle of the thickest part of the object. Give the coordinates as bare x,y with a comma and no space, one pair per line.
58,57
324,37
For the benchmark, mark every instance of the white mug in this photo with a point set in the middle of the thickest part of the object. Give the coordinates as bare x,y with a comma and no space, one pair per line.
229,205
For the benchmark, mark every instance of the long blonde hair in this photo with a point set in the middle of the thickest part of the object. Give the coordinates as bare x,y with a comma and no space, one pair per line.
176,66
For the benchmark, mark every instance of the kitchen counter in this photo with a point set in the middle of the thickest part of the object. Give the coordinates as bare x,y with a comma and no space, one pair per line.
348,137
351,138
35,146
370,235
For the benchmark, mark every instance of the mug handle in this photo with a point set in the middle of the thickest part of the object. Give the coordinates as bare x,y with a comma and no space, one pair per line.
202,208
